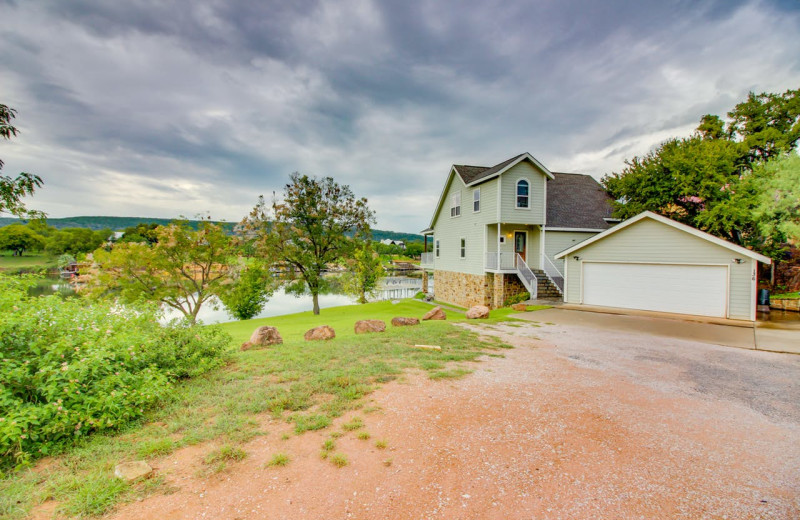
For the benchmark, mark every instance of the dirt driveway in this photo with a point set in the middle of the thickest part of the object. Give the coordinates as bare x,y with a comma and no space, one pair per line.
573,423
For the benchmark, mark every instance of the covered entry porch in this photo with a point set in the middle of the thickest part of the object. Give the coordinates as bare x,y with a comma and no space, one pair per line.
505,241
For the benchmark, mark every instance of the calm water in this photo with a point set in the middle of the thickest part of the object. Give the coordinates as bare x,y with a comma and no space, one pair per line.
393,288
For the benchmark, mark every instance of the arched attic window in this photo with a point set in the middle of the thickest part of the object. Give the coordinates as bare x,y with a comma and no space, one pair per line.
523,191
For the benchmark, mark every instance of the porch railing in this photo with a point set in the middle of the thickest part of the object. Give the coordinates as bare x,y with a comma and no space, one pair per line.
507,261
554,274
426,260
526,275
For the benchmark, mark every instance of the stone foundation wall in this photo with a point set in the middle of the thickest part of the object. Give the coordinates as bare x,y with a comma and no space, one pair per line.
786,305
460,289
513,287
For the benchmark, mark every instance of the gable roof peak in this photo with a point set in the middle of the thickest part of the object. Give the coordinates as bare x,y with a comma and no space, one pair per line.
475,174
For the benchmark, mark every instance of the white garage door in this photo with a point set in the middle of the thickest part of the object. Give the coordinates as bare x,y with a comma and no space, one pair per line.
679,288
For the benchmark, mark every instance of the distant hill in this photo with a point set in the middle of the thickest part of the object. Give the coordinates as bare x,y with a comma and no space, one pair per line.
120,223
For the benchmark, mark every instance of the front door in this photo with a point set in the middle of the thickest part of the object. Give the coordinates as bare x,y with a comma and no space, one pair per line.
521,244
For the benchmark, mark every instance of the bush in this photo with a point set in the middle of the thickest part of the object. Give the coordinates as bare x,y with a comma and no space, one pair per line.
517,298
70,368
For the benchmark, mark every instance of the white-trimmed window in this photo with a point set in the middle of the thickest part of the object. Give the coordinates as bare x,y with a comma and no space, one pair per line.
437,249
455,204
476,200
523,193
463,248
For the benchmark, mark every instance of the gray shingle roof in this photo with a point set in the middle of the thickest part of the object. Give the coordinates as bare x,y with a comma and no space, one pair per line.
577,201
473,173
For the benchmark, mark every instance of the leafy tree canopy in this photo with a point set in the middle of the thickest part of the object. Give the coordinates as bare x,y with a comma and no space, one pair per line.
308,229
13,189
365,272
75,241
712,179
182,270
19,239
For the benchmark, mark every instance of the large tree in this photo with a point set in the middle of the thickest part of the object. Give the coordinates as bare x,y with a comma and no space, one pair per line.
365,271
13,189
707,180
19,238
182,270
309,228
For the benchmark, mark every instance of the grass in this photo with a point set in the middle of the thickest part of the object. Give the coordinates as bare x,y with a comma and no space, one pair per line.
363,436
219,458
381,444
27,262
786,296
279,459
339,460
308,384
356,423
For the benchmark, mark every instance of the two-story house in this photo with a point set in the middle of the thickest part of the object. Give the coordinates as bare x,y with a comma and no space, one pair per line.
496,230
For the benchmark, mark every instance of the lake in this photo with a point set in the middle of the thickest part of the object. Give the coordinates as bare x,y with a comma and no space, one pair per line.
281,302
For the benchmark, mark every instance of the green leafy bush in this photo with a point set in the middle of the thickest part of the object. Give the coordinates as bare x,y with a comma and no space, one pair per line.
70,367
517,298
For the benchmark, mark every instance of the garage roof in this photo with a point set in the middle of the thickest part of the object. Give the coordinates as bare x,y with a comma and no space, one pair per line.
677,225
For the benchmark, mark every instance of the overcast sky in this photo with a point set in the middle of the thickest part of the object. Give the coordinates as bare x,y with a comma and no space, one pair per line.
158,108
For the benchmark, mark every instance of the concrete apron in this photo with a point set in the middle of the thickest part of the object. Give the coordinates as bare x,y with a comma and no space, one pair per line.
735,333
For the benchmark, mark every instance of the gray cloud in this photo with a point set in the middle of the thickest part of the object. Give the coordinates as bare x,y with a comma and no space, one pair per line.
164,108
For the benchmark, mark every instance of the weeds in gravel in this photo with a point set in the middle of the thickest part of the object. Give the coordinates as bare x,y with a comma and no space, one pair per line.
449,374
329,445
387,462
381,444
363,436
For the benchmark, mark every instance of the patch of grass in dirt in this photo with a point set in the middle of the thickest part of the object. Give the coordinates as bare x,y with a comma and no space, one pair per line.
363,436
456,373
279,459
381,444
228,405
356,423
219,458
339,460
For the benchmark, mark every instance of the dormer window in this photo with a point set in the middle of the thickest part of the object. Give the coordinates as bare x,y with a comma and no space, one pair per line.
523,192
455,205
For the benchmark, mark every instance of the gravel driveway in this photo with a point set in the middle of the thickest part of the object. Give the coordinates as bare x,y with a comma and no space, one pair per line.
574,423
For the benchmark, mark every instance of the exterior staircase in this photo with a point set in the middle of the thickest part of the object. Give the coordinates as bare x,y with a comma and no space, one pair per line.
546,288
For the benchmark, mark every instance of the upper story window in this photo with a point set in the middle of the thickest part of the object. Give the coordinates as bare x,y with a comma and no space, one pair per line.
437,249
463,248
476,200
523,190
455,205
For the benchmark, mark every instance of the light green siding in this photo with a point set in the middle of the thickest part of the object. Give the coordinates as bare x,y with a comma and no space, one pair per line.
557,241
470,225
652,241
535,212
507,231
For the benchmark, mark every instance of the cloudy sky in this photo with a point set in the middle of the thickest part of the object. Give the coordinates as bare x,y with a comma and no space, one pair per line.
167,108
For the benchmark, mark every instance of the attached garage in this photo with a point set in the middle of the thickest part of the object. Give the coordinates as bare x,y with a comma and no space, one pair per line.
652,263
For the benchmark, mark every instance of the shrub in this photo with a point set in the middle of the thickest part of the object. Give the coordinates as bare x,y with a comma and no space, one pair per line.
70,368
517,298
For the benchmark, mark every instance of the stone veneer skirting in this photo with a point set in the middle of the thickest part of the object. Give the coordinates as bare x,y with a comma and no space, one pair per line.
785,304
460,289
466,290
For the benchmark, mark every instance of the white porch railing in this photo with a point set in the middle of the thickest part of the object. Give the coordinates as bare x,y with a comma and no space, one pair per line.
426,260
554,274
527,277
507,261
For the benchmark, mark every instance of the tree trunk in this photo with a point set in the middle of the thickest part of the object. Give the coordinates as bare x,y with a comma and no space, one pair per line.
315,297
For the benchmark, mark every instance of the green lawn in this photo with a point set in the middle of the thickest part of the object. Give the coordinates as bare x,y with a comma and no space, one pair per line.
304,385
28,261
786,296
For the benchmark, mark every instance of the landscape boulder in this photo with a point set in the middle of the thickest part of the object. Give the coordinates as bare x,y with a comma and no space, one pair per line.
264,336
478,312
404,322
435,314
365,326
319,333
133,471
519,307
